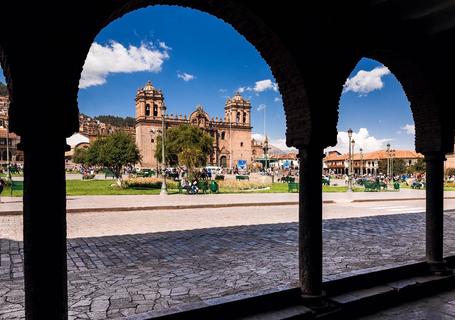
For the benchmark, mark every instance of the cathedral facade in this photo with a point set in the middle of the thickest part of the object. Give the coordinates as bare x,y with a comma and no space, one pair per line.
232,143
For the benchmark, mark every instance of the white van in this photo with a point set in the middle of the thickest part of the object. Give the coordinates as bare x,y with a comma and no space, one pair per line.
214,170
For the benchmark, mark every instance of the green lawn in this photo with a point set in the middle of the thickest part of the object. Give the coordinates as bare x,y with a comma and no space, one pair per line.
104,187
12,174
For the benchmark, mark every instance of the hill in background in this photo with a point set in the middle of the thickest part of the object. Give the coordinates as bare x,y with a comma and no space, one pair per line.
3,89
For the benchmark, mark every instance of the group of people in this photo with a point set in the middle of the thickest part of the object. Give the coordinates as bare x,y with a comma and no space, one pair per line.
191,188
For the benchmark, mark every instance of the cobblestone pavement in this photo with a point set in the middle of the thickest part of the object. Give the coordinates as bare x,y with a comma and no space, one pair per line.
116,276
438,307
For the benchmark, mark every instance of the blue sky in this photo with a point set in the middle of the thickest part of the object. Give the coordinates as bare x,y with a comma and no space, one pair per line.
195,58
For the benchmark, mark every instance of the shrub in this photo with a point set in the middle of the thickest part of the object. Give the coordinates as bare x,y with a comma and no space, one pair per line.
88,176
242,185
219,177
143,183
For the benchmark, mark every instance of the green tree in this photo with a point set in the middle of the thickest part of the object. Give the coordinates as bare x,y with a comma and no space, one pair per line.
113,152
117,121
191,157
185,140
80,156
418,167
399,166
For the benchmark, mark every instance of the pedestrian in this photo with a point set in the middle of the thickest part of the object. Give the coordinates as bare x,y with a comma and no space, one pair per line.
2,184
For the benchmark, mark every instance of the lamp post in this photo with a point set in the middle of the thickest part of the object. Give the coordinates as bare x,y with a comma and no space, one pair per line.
361,161
388,159
7,149
163,162
350,161
230,138
353,157
266,153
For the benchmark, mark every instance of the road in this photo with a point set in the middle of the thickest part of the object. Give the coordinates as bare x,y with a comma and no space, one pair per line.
95,224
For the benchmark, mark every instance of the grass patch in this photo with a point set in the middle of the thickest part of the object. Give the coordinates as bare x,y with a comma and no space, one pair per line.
104,187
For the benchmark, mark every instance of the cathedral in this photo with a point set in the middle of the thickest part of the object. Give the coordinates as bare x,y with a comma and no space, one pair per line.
232,142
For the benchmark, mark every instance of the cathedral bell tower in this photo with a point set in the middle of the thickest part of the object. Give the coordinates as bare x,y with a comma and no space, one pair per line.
149,103
149,111
238,110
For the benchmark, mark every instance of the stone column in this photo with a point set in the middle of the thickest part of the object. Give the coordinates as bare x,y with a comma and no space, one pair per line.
45,267
435,211
310,223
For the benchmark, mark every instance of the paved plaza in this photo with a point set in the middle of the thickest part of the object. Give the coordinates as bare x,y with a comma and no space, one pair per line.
114,274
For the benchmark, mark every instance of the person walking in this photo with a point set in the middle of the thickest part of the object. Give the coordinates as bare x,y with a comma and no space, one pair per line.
2,184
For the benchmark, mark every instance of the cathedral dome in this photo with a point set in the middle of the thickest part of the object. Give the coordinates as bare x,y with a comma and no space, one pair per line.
148,87
237,97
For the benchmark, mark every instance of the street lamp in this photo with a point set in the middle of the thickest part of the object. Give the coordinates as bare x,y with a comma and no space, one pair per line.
350,161
7,149
388,159
353,157
230,138
163,162
361,161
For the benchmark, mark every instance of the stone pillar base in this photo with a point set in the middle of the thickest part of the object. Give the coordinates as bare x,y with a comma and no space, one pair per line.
315,302
440,268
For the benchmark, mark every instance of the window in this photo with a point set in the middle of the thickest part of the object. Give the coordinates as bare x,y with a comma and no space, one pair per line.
237,119
241,144
155,110
244,117
147,110
223,134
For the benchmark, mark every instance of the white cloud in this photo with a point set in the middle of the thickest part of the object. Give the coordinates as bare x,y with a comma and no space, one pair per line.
115,58
277,99
362,140
409,128
185,76
264,85
261,107
257,136
281,144
243,89
222,90
366,81
164,46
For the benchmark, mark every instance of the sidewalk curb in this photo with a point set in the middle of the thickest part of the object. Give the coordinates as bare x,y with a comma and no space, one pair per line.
397,199
210,205
169,207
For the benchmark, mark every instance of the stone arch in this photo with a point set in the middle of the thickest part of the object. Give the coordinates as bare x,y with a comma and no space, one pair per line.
269,46
423,103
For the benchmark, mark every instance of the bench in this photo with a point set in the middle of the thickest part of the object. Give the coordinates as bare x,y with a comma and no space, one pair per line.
145,173
242,177
416,185
109,173
16,186
287,179
203,185
372,186
293,186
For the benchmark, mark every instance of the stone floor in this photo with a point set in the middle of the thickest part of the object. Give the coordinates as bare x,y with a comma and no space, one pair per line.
116,276
438,307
